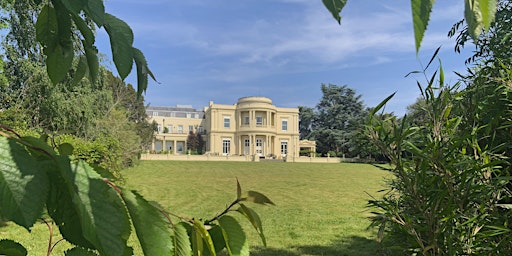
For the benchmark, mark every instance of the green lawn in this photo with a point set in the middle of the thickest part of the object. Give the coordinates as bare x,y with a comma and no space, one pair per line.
320,208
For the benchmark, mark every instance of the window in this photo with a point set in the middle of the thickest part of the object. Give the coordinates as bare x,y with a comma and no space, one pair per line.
180,128
226,122
259,120
284,147
159,128
169,128
246,120
200,129
226,143
284,125
155,113
190,128
189,115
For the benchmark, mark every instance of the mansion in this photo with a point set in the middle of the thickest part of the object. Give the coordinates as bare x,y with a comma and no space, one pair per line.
253,126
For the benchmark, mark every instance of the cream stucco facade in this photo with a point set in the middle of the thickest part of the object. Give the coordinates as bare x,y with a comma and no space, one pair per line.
253,126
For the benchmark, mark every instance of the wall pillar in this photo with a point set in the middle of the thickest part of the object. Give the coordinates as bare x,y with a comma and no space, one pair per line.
174,149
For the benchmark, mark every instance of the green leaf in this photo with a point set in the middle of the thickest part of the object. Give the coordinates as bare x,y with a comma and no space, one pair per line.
421,10
85,31
80,71
200,231
121,40
255,220
181,239
96,11
473,16
102,220
197,243
488,10
66,149
91,53
12,248
58,62
74,6
142,71
150,225
23,184
238,190
217,238
381,104
335,7
78,251
47,28
258,198
236,242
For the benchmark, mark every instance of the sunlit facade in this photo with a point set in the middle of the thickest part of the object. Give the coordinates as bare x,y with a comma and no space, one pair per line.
253,126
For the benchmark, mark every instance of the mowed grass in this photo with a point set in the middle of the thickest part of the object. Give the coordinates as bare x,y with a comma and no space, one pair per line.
320,208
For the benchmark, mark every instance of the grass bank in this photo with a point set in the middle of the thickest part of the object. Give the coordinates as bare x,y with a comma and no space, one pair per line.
320,208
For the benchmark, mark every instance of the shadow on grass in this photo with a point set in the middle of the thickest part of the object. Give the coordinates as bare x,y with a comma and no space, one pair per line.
352,246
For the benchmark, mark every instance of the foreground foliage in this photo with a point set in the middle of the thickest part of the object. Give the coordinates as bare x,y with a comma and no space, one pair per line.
451,193
94,214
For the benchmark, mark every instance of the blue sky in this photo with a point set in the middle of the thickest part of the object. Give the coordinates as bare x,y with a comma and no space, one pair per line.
204,50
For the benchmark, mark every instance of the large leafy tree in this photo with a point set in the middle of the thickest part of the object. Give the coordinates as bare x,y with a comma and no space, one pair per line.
306,118
338,117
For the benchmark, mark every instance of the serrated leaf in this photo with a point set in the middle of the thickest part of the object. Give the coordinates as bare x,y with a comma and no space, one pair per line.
23,184
12,248
255,220
102,221
59,61
197,243
236,241
200,230
181,239
91,53
78,251
74,6
150,225
80,71
421,10
96,11
258,198
473,16
85,31
335,7
121,40
488,10
218,239
142,71
47,27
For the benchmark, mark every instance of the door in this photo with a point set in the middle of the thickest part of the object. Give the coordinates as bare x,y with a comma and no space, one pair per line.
259,147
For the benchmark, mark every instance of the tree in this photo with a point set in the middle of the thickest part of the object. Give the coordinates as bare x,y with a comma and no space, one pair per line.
338,116
192,141
200,142
306,118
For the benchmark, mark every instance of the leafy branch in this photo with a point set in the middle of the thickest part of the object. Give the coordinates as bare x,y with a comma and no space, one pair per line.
94,214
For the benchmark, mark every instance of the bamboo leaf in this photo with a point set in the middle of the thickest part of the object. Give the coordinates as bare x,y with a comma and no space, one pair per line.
421,10
150,225
236,241
23,184
335,7
121,40
255,220
12,248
